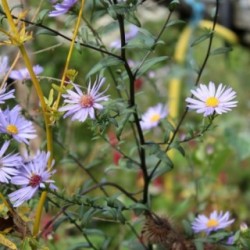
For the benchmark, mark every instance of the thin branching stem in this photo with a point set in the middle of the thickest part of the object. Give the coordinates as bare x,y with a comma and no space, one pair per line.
80,165
57,33
116,148
155,42
74,221
196,83
142,152
200,133
112,184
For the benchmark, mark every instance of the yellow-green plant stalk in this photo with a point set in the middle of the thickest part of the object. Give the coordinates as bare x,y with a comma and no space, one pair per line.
6,203
19,40
66,67
9,18
44,194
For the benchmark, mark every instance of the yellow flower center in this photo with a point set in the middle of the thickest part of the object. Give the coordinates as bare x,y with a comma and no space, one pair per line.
212,102
155,118
12,129
86,101
212,223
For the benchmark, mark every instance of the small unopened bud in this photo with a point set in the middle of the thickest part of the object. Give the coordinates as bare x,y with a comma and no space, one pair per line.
243,227
173,5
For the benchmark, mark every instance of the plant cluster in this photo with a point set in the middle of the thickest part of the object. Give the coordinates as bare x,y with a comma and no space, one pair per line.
92,156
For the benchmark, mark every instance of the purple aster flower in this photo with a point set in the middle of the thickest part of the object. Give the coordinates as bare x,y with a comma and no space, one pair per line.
132,33
4,66
81,105
230,240
28,157
6,95
62,8
8,163
151,118
211,100
32,177
15,125
215,222
23,74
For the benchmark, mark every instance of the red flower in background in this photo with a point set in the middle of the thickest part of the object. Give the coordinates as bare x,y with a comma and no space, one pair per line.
114,142
138,84
48,231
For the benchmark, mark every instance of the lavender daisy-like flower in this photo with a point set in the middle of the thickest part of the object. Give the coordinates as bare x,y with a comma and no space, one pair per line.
153,115
15,125
8,163
132,33
32,177
4,66
23,74
62,8
81,105
212,100
230,240
6,95
215,222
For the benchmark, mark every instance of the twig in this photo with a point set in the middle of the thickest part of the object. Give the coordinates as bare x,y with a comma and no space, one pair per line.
196,83
57,33
73,221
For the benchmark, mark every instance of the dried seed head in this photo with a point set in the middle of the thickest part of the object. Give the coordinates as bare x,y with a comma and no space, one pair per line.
158,230
161,231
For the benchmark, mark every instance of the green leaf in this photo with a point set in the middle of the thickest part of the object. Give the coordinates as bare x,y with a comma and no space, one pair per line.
111,169
148,64
104,30
222,50
59,221
155,149
93,231
113,202
132,18
139,208
6,242
122,124
175,22
239,142
42,14
198,245
162,169
110,211
79,246
103,64
118,9
201,38
92,164
81,211
178,147
106,243
43,31
88,215
143,40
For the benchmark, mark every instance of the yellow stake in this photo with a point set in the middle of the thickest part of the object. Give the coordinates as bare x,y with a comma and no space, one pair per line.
174,95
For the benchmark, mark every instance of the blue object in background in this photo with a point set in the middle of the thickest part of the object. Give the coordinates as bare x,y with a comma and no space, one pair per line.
198,9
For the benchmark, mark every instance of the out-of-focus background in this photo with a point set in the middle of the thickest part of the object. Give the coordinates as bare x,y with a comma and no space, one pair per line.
215,172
